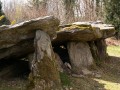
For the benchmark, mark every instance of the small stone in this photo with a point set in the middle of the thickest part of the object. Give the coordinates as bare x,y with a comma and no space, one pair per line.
98,76
71,88
86,72
68,65
77,75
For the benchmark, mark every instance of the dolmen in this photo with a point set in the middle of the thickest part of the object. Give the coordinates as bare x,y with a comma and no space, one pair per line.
51,48
82,45
33,39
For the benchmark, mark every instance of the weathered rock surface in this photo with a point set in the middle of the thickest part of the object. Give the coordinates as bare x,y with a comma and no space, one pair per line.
17,41
59,63
78,45
106,29
83,32
10,35
85,43
44,75
80,56
20,50
33,36
99,50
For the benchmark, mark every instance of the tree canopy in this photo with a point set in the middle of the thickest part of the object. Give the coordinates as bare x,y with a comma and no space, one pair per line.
113,13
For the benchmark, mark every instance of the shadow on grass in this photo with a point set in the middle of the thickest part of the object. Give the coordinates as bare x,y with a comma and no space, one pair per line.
110,72
86,84
111,69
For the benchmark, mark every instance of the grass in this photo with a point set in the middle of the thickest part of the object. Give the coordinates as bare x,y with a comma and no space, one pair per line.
13,84
113,51
111,70
65,79
109,85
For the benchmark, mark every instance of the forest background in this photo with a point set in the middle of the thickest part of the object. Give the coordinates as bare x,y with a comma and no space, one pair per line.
67,11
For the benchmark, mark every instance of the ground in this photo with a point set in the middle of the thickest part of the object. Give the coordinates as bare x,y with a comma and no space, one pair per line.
109,80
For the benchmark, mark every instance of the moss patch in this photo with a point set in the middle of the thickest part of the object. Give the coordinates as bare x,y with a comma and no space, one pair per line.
65,80
79,27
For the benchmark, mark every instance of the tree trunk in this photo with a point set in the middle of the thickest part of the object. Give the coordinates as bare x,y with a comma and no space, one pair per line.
80,56
44,75
69,11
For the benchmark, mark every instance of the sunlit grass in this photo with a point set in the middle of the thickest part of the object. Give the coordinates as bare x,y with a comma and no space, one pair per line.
110,78
113,51
109,85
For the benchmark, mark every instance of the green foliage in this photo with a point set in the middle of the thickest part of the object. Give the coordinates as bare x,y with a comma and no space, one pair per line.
13,22
113,13
3,19
65,80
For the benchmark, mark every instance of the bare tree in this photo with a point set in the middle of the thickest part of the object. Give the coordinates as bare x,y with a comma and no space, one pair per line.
67,11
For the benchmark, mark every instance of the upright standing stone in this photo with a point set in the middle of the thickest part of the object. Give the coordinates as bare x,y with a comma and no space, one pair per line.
98,49
80,56
44,75
102,48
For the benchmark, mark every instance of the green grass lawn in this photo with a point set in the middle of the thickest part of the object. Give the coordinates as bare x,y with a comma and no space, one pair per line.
113,51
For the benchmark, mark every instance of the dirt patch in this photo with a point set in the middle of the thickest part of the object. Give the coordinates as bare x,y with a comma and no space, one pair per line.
112,41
